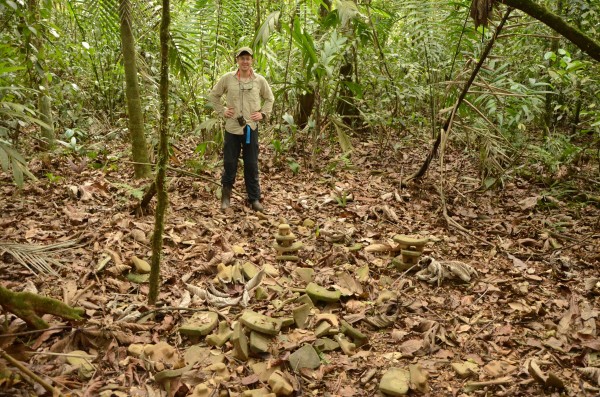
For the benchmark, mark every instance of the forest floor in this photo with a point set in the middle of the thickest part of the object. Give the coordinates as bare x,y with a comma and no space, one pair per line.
524,323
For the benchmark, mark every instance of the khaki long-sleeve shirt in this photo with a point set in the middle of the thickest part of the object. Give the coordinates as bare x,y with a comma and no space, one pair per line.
243,97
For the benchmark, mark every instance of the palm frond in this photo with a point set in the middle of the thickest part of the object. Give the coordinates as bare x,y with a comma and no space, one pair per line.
37,258
181,54
347,10
268,27
105,14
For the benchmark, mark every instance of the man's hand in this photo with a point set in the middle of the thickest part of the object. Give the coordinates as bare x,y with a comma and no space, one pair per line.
228,112
256,116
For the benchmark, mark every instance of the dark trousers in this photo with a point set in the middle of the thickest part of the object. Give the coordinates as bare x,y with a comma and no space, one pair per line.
232,146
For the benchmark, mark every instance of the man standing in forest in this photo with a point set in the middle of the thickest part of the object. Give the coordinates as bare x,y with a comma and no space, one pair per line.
242,111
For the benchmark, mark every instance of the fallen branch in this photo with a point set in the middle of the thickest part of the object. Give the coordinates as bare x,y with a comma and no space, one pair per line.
472,386
48,387
28,306
452,222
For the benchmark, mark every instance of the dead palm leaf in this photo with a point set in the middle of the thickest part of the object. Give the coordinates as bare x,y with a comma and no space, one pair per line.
480,11
37,258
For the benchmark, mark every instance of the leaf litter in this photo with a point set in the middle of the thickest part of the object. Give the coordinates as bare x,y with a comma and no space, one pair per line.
518,318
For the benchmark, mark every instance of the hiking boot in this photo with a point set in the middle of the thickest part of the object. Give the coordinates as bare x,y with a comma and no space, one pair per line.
257,206
225,197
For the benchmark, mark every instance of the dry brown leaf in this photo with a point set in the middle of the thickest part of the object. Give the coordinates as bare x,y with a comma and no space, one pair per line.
410,347
348,284
569,316
529,202
118,269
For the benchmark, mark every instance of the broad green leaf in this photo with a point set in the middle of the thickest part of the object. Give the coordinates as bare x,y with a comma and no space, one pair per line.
343,138
294,166
3,158
8,69
17,173
575,65
288,118
268,27
209,124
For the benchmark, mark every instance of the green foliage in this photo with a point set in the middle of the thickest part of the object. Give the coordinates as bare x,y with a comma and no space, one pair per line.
340,162
342,199
409,60
131,191
267,28
294,166
11,160
555,151
73,141
201,162
53,178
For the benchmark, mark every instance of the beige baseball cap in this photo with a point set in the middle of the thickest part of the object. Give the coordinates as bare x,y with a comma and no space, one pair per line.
244,50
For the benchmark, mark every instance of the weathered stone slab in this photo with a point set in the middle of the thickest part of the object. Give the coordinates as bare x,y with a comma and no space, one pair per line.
262,392
138,278
301,314
406,242
305,299
221,337
260,322
326,344
249,270
259,343
200,324
358,337
465,369
322,329
305,357
321,294
240,342
306,274
347,347
280,385
141,266
395,382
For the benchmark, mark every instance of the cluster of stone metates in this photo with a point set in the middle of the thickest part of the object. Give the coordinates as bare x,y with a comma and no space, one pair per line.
250,338
301,320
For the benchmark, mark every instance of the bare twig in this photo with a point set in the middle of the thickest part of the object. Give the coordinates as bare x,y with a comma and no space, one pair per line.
48,387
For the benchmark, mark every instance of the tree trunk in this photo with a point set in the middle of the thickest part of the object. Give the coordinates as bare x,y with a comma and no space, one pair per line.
550,19
306,103
45,109
39,79
346,105
163,155
549,105
306,100
139,147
